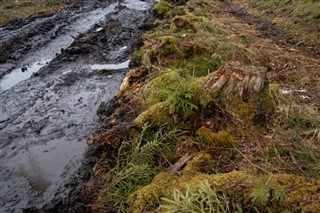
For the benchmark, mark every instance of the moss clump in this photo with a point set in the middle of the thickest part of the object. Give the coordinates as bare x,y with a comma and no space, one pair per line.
243,110
163,9
168,46
158,114
276,193
200,163
221,139
201,65
147,198
154,89
270,98
302,195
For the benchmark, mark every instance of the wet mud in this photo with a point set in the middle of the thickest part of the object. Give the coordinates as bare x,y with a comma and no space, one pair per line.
56,71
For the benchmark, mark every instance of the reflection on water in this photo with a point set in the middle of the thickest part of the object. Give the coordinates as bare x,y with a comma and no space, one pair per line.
122,65
21,74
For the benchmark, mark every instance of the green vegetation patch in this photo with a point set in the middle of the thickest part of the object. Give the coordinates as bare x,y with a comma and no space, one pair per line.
12,9
202,112
230,192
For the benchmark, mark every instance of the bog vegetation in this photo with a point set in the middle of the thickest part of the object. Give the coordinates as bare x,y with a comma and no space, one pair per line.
13,9
210,119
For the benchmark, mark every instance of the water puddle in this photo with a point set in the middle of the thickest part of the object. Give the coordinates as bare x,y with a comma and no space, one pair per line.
123,48
136,5
20,74
123,65
44,164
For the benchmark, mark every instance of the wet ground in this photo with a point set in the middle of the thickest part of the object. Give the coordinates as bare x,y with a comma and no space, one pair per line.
55,72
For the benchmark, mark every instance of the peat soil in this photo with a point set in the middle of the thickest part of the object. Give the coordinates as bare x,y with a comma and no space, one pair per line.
55,71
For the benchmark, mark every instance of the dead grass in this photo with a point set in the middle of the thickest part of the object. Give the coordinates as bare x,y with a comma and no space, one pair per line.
299,19
12,9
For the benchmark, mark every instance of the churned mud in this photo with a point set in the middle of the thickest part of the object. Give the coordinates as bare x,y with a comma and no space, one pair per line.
55,71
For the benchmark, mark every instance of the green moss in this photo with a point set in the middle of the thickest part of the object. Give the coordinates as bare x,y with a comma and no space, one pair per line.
243,110
168,46
270,98
163,8
185,22
201,65
147,198
302,195
154,89
202,162
257,108
221,139
158,114
275,193
182,23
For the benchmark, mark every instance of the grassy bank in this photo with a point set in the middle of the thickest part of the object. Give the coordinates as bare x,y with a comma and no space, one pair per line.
300,19
212,118
13,9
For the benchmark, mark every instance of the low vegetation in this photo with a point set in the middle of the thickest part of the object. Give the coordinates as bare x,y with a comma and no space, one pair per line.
206,121
293,17
15,9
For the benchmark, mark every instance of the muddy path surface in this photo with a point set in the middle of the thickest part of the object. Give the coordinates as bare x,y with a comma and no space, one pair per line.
55,72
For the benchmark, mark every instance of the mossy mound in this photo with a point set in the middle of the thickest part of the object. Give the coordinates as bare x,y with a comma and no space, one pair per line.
171,98
158,114
275,193
201,64
202,162
146,199
162,9
165,9
221,139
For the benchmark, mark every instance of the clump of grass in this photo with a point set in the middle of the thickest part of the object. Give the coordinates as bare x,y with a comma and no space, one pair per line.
307,155
136,58
199,198
136,164
11,9
183,92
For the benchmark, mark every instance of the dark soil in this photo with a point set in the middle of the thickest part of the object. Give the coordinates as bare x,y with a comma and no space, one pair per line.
46,118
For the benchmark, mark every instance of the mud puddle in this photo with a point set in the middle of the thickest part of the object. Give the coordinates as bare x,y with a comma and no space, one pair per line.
47,111
20,74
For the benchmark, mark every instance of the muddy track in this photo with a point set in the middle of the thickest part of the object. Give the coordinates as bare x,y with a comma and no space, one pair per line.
72,61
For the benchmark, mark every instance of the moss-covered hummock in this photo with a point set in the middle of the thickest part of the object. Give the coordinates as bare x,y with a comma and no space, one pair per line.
275,193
